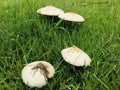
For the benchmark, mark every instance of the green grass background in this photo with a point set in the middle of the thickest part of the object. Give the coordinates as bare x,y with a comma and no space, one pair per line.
26,36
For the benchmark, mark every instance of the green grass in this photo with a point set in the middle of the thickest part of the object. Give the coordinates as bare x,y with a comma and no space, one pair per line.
26,36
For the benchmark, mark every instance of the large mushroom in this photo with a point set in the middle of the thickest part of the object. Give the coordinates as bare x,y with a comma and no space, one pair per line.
35,74
50,11
76,56
71,16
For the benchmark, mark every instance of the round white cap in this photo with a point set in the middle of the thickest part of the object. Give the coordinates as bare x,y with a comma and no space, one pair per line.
76,56
70,16
35,77
50,11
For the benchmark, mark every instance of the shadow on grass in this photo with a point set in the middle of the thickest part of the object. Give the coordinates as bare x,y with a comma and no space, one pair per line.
57,23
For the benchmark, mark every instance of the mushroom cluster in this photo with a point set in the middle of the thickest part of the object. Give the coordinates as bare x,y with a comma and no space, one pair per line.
53,11
37,73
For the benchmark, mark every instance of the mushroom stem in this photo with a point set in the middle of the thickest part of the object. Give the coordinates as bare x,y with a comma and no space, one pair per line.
58,23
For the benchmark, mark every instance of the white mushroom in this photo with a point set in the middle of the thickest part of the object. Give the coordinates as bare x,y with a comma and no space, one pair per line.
76,56
36,73
70,16
50,11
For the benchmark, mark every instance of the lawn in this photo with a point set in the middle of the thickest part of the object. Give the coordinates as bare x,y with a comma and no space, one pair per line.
26,36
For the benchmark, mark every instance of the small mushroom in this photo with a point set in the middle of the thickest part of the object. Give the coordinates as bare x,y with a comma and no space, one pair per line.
76,56
50,11
35,74
70,16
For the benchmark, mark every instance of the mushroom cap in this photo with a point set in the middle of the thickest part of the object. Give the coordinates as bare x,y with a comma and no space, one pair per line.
76,56
70,16
50,11
35,77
